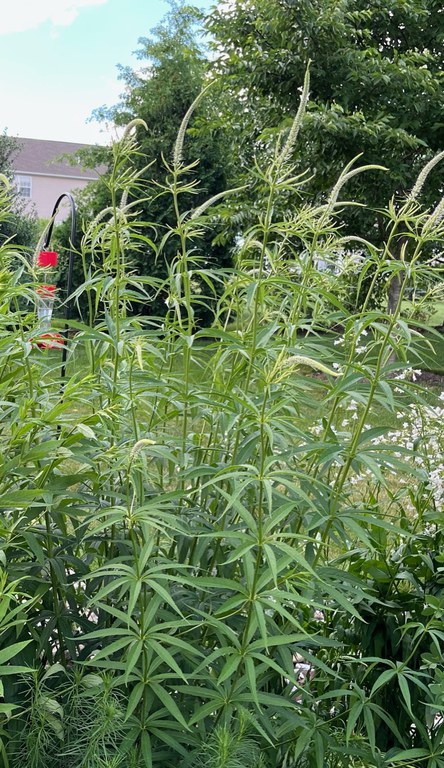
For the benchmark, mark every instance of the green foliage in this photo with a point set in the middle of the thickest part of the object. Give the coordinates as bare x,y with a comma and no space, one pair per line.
212,556
19,225
376,89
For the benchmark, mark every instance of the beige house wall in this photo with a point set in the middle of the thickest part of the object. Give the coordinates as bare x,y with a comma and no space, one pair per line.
45,191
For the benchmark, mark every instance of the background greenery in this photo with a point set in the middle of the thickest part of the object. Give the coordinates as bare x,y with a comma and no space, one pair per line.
376,95
20,225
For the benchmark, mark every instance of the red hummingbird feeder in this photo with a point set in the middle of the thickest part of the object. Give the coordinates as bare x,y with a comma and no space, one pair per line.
46,295
47,259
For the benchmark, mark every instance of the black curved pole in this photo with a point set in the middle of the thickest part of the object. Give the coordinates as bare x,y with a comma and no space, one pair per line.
69,282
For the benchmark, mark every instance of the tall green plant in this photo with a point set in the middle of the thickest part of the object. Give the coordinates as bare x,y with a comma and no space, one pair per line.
227,558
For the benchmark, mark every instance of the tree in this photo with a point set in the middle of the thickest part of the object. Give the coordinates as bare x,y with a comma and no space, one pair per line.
20,227
376,89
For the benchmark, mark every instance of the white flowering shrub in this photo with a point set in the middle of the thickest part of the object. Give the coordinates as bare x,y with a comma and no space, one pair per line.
422,433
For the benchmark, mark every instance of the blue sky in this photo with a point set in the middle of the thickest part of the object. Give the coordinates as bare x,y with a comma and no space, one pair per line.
58,61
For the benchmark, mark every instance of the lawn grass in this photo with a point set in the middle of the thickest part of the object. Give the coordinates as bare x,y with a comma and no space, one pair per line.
437,317
434,310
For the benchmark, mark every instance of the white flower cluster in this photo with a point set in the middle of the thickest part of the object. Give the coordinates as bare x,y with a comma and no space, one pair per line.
408,374
352,413
317,429
348,262
418,441
361,346
422,433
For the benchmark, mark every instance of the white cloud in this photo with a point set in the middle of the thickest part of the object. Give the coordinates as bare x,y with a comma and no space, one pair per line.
21,15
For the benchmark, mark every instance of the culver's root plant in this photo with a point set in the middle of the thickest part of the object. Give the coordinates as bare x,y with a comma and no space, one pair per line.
221,545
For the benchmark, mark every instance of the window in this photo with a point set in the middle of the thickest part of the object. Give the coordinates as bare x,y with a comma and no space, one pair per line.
24,185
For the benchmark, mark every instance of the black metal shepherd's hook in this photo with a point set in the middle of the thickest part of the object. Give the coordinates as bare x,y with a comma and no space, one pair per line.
69,282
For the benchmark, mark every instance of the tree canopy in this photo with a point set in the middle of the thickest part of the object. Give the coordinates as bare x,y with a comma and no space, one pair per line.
376,94
19,226
376,85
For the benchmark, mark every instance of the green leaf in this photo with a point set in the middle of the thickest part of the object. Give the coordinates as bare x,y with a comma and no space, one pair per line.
206,710
135,698
370,728
168,702
15,670
319,749
271,559
352,719
251,677
133,657
162,592
409,754
11,651
111,649
404,686
288,674
303,741
145,748
20,499
166,656
230,667
383,678
259,614
166,736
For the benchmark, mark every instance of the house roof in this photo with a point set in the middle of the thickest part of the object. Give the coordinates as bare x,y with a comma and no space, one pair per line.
41,156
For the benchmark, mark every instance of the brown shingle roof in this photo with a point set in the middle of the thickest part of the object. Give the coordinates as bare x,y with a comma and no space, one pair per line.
39,156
